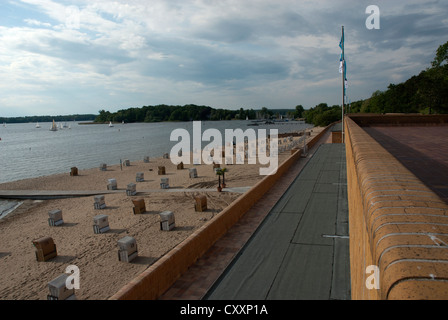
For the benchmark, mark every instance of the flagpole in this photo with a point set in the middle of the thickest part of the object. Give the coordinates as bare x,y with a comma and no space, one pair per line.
343,82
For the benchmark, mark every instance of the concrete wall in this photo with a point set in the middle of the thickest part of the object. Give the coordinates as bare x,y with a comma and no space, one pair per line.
397,224
160,276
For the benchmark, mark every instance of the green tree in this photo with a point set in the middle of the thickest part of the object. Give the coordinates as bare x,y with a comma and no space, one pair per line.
104,116
264,112
299,111
241,114
441,55
323,115
433,89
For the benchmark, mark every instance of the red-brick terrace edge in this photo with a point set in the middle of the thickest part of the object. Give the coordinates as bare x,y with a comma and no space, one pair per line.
398,226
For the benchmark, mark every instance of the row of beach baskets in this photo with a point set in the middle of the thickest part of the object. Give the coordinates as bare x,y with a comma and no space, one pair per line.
45,247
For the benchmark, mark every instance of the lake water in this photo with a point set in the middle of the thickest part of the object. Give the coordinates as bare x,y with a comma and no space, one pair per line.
29,152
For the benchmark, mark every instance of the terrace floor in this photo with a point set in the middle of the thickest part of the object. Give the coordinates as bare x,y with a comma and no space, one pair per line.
423,150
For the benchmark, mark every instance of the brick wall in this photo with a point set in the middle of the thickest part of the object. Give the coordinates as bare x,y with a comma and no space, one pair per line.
396,224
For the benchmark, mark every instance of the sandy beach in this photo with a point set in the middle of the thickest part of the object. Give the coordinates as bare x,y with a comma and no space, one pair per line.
22,277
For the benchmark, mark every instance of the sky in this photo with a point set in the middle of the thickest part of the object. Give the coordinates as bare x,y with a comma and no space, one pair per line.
79,57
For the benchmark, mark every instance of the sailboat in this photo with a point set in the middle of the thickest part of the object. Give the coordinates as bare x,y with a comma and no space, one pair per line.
110,124
37,125
54,127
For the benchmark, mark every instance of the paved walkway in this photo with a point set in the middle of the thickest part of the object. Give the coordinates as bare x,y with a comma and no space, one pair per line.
301,250
196,283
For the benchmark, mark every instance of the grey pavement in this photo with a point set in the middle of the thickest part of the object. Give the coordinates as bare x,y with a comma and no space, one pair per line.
301,250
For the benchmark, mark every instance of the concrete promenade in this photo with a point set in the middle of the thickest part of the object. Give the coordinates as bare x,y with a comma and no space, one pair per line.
301,249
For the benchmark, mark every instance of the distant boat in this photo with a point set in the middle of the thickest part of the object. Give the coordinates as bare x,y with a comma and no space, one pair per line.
54,127
65,125
37,125
110,124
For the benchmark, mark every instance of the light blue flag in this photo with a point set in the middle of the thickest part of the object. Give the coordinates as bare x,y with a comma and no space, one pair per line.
345,69
341,60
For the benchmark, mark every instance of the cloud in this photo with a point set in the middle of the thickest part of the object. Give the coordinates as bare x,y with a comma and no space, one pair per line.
33,22
81,56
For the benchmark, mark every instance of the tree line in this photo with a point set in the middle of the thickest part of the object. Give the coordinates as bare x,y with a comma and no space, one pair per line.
34,119
190,112
426,93
164,113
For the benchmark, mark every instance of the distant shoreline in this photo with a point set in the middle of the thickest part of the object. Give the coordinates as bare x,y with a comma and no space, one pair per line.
275,121
44,119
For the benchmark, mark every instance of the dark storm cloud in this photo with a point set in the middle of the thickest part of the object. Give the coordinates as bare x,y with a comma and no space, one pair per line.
210,65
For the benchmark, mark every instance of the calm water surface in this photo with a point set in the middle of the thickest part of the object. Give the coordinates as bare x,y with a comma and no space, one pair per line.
29,152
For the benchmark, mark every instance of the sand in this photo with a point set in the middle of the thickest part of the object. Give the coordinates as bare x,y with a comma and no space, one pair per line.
22,277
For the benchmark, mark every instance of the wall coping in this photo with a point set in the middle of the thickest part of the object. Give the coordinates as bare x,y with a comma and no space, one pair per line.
405,221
